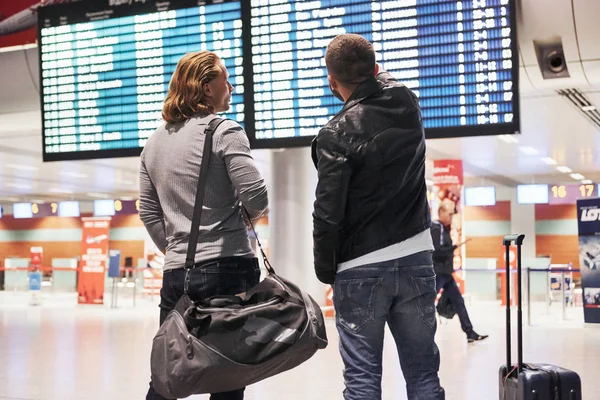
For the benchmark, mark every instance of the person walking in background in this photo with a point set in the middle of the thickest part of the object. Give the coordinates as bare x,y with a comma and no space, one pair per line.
443,261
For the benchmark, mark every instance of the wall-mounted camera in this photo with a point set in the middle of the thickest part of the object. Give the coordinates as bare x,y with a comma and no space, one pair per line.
551,58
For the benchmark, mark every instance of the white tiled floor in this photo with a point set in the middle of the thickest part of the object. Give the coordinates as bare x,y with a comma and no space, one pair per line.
62,351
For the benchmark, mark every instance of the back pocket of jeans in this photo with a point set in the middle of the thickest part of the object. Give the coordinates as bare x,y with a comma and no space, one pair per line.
425,298
354,301
213,280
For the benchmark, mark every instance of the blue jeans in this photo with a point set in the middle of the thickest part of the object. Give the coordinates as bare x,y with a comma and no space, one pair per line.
447,282
402,293
223,276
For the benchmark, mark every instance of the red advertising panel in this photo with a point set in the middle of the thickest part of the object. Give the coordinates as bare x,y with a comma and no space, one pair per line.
514,288
448,172
18,19
94,254
36,257
447,189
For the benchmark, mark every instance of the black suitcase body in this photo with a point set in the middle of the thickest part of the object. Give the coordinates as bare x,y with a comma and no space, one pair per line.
540,382
531,381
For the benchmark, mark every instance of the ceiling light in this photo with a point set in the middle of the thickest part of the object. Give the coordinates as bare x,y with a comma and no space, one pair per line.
549,161
18,185
37,201
9,198
129,183
528,150
22,167
564,169
127,198
508,138
577,177
587,181
74,174
60,190
98,195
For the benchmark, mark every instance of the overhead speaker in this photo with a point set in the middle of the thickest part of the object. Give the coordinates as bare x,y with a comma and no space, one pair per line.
551,58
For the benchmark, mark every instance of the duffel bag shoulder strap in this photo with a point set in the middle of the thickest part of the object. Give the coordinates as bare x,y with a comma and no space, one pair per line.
199,200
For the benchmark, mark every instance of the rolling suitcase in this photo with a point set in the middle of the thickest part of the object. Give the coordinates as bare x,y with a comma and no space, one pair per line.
531,381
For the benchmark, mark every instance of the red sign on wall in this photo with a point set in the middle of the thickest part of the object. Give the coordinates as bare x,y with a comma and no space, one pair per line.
448,172
18,20
513,281
94,254
36,257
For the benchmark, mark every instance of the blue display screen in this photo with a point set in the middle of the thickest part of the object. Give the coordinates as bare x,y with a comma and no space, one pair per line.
22,210
457,56
105,65
68,209
532,194
480,196
104,208
104,81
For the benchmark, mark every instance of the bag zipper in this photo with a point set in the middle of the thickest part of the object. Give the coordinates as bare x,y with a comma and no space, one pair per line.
556,379
190,348
216,309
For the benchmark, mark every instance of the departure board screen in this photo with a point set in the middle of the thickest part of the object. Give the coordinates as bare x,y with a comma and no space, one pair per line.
459,57
106,67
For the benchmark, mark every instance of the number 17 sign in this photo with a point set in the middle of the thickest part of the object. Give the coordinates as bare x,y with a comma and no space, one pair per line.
568,194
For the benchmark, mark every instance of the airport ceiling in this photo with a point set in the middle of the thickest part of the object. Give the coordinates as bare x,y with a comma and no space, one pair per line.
554,132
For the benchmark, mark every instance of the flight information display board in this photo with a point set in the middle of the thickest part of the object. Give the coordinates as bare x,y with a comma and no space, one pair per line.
460,58
106,66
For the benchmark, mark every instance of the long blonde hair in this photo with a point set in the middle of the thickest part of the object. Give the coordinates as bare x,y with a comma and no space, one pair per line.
186,93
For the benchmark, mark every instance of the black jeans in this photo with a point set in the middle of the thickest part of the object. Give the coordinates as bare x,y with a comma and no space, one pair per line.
222,276
449,285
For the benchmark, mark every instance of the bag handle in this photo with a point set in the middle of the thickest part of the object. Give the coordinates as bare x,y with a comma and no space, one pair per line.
200,189
201,321
263,296
518,239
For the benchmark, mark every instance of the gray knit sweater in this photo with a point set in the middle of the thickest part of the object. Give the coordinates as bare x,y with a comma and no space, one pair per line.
170,164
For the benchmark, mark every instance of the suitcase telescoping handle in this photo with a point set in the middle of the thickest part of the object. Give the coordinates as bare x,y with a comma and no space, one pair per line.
518,240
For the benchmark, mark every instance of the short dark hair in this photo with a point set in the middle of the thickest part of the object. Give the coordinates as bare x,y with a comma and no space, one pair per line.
445,208
350,58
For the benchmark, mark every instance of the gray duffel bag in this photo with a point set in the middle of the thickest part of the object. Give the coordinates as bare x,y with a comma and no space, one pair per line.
222,344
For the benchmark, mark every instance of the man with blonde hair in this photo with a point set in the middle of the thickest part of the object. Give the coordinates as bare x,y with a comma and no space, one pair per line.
169,170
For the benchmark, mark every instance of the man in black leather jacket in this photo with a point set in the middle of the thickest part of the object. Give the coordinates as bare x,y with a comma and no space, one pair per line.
443,261
371,224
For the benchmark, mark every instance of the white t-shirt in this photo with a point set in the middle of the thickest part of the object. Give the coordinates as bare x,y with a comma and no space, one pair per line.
416,244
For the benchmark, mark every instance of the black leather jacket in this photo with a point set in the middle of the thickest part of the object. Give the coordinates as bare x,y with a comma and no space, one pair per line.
371,166
443,255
